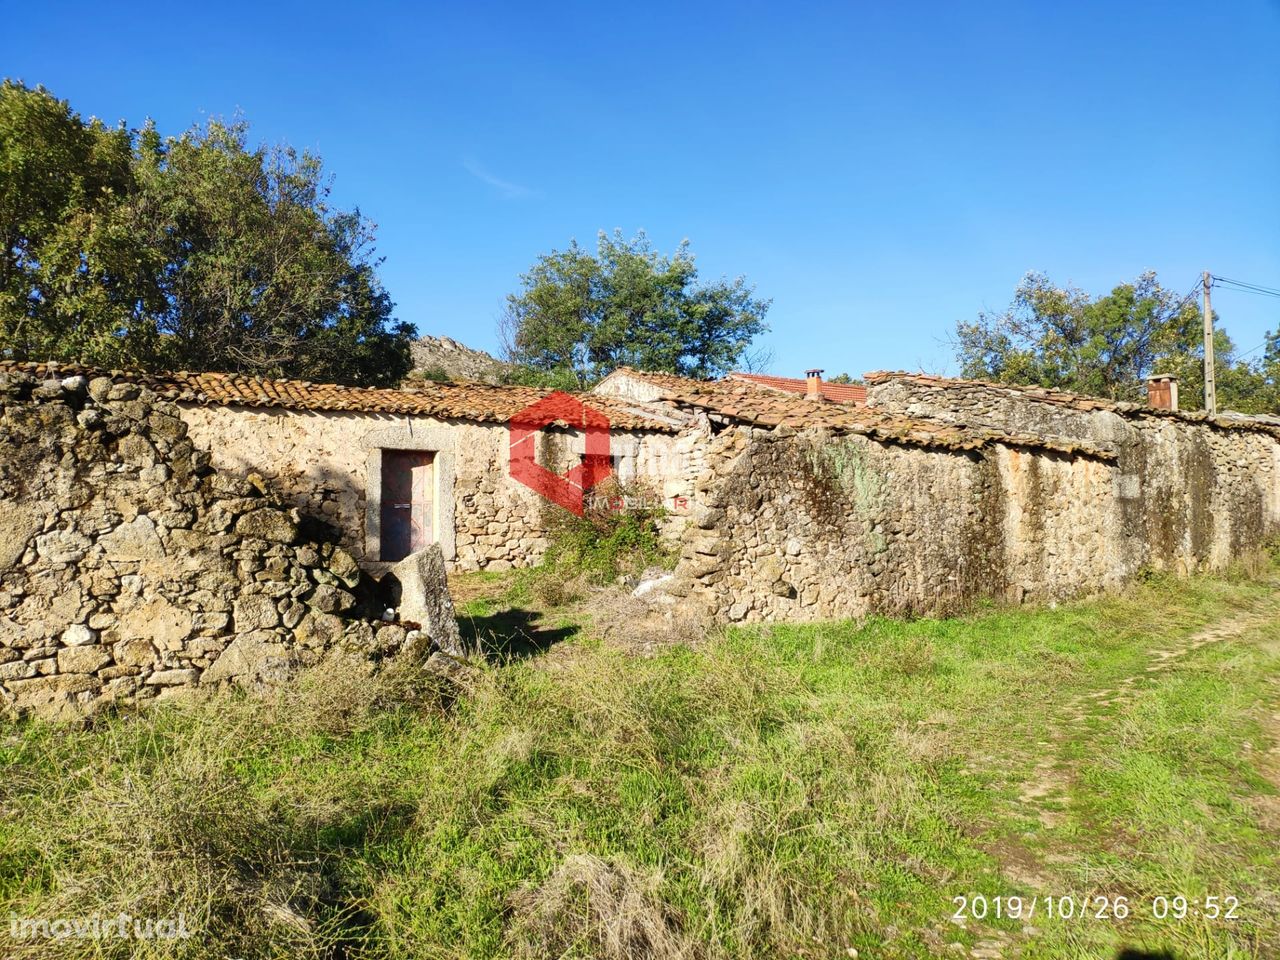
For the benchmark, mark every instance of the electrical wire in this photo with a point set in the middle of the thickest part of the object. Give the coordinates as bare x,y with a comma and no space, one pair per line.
1242,287
1183,302
1256,293
1241,356
1246,283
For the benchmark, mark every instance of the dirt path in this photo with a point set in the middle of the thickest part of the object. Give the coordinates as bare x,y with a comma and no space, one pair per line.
1050,782
1048,790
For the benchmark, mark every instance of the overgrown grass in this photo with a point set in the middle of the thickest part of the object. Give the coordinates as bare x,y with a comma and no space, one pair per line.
798,791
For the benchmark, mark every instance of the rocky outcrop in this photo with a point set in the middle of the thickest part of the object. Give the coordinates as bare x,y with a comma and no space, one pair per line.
130,569
440,358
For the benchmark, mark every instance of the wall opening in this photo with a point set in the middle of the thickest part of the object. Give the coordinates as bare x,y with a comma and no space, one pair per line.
408,495
436,444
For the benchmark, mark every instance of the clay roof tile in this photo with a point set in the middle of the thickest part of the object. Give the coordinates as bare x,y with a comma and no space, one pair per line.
746,403
450,401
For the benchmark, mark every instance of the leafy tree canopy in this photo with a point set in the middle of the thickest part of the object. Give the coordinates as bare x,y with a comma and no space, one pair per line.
579,315
127,248
1108,346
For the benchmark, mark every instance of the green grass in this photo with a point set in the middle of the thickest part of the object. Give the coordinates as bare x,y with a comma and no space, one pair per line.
786,791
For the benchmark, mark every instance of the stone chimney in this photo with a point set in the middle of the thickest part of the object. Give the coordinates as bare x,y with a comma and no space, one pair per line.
1162,392
813,384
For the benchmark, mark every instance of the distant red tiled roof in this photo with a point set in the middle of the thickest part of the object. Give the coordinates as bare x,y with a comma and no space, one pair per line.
452,401
836,392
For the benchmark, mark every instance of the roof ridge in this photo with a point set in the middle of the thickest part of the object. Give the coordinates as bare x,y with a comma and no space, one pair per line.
1082,402
474,401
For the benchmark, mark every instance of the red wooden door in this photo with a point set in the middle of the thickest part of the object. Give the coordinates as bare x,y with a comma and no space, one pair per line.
406,502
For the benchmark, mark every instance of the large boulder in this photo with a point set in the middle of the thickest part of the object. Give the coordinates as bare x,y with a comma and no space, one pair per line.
424,597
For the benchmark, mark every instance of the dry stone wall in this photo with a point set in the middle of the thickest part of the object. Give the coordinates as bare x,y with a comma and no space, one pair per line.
484,519
1191,491
813,526
129,568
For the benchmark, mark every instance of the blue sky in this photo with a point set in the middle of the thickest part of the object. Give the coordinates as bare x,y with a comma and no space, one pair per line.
878,170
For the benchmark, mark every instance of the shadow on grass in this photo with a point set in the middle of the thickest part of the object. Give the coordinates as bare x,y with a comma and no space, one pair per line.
511,634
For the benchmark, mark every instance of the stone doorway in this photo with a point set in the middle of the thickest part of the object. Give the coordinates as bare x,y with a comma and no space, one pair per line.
407,503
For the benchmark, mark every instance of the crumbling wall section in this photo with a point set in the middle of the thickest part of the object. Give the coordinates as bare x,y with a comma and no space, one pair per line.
129,568
1193,491
814,526
320,462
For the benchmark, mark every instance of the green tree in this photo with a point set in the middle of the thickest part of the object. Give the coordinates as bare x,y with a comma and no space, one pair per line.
75,282
1269,372
196,251
1108,346
260,272
1061,337
578,316
1241,386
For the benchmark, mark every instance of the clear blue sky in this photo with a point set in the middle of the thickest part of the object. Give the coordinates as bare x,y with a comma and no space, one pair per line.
879,170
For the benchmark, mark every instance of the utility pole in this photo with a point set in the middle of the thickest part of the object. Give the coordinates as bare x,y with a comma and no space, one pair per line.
1210,387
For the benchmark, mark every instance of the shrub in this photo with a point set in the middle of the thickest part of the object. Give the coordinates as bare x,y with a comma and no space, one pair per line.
606,542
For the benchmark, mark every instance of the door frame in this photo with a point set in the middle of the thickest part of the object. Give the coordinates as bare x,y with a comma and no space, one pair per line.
434,439
408,479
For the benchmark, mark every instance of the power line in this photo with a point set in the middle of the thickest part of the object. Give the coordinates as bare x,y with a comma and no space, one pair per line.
1256,293
1177,309
1254,350
1244,287
1235,289
1246,283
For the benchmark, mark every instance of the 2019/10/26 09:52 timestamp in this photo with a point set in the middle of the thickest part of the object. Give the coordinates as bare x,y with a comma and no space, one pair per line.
1096,907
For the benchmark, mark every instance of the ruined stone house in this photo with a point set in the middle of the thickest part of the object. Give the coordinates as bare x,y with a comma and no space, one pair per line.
783,498
131,569
938,492
394,470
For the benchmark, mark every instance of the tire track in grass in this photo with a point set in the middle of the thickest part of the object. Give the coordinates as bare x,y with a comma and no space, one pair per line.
1048,790
1052,778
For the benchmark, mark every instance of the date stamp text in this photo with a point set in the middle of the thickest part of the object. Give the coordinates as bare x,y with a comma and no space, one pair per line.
1095,907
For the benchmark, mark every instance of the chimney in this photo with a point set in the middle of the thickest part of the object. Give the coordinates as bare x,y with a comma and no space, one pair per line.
1162,392
813,384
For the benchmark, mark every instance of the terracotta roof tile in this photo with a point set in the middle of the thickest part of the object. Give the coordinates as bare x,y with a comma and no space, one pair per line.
744,402
452,401
853,393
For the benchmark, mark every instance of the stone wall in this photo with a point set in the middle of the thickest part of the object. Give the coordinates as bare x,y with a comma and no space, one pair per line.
129,568
326,464
1191,491
804,526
